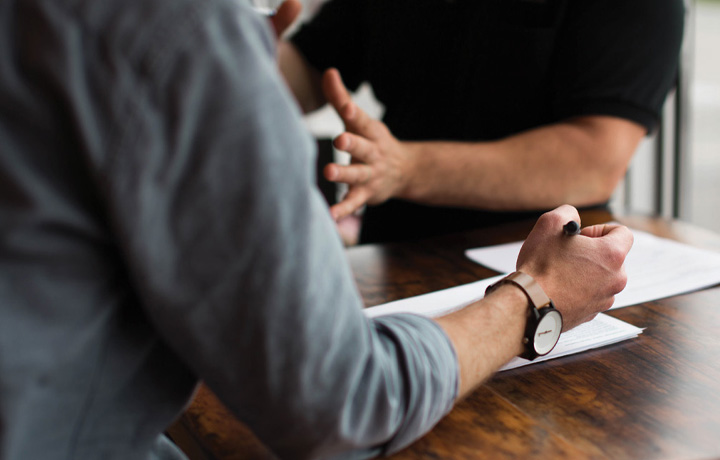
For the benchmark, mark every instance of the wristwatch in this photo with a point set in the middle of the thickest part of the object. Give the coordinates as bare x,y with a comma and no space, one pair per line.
544,322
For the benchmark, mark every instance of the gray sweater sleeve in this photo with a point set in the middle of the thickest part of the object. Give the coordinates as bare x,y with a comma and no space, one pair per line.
211,189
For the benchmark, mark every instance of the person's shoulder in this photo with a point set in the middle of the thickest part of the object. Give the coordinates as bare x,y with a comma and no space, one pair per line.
663,18
673,6
151,34
667,9
648,17
631,8
136,25
646,5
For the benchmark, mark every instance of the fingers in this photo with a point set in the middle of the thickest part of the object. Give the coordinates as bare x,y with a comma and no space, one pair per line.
354,200
612,243
553,221
622,237
285,15
360,148
597,231
362,152
355,119
615,234
564,214
334,89
355,174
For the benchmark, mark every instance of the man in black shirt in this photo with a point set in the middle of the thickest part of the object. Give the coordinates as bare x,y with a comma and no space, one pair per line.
495,109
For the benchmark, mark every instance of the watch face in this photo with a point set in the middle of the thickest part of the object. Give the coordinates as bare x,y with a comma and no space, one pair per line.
548,332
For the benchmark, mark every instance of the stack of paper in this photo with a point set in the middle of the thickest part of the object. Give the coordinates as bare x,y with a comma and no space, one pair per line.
656,267
601,331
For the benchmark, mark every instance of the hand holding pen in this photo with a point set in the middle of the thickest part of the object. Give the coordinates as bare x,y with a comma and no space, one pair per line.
571,228
580,271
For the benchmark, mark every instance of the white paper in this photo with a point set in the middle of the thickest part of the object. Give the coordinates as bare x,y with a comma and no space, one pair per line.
436,303
656,267
601,331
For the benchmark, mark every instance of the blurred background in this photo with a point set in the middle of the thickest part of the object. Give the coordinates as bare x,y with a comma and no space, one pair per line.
704,177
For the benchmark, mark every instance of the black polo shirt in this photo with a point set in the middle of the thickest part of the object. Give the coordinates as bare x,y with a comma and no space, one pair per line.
474,70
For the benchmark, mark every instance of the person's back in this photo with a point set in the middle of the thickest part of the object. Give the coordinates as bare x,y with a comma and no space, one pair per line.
160,222
83,374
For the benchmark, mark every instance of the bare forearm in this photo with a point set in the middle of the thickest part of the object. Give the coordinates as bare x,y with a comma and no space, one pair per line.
486,335
578,162
304,80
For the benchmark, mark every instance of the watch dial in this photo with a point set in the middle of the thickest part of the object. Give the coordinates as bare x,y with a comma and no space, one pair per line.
548,332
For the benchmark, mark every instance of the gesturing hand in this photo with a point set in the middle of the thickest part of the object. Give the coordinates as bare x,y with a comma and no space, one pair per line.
581,273
380,163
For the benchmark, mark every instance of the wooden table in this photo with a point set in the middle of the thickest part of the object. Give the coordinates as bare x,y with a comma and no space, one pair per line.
653,397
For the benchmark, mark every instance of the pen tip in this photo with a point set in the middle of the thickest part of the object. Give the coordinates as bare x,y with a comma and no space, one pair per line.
571,228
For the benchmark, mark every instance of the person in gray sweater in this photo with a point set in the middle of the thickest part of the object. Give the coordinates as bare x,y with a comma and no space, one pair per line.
160,224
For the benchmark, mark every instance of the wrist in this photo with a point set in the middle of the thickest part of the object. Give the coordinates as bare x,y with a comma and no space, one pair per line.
412,171
486,334
544,322
511,302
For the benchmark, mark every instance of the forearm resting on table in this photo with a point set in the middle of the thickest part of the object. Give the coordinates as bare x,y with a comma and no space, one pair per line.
578,161
487,334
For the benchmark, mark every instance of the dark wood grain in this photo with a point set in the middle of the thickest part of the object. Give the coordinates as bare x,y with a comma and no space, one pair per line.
653,397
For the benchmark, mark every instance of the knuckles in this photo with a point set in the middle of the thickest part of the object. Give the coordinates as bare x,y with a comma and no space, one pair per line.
620,281
547,221
615,255
555,219
608,304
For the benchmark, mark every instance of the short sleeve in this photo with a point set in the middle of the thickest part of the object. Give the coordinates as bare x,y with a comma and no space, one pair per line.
617,58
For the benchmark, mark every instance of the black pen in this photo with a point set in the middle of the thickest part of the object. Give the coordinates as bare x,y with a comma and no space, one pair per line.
571,228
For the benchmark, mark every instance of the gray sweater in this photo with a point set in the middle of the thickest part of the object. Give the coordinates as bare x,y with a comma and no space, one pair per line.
160,224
